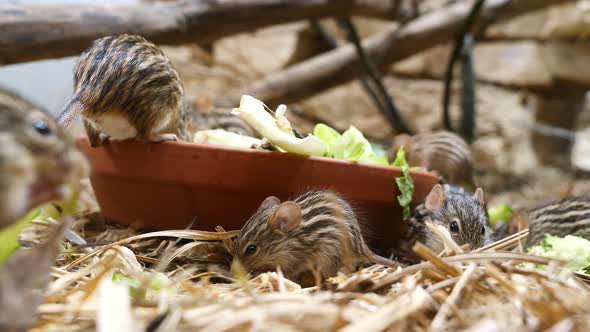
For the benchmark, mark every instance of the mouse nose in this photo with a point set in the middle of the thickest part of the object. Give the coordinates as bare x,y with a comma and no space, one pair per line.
237,268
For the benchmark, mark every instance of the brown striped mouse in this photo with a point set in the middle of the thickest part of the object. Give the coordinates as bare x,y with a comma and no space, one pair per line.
125,87
317,230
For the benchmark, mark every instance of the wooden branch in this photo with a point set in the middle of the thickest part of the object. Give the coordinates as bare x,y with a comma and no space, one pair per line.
389,109
33,32
330,69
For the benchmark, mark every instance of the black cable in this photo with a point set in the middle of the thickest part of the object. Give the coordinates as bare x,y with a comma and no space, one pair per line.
473,14
468,83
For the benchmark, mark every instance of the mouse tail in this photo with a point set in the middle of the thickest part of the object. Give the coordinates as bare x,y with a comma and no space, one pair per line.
73,108
384,261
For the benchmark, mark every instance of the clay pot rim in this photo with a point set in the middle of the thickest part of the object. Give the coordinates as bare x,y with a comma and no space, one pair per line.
181,145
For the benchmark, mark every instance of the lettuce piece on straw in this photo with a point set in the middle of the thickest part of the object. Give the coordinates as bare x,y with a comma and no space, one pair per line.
571,248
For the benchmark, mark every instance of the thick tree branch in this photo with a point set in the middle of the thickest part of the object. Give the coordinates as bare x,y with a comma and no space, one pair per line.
33,32
330,69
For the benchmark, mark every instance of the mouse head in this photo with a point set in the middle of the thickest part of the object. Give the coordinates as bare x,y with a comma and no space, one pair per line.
265,240
36,156
463,215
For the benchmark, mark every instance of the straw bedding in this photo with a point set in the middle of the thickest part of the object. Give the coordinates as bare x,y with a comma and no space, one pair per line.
487,290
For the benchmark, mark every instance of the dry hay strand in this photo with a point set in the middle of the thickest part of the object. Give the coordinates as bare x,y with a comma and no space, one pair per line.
482,290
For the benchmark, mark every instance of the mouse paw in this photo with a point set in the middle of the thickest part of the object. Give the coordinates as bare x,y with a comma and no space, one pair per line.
163,137
98,139
103,137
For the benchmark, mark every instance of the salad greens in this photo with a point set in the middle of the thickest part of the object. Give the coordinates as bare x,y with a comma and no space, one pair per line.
325,141
328,135
404,183
351,145
574,249
501,212
9,235
157,282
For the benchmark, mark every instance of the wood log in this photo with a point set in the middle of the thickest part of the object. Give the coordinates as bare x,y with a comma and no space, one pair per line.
34,32
341,65
567,22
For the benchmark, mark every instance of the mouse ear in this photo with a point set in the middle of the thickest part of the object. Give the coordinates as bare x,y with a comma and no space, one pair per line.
287,217
269,202
479,196
436,199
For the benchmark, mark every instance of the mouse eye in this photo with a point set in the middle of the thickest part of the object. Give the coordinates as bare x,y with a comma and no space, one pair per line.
41,126
454,227
250,250
483,230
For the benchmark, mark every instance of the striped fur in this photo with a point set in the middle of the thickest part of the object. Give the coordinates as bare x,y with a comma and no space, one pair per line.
328,234
442,152
459,206
131,78
570,216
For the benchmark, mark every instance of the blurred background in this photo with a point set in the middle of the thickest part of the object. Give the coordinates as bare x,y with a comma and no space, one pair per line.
46,82
531,122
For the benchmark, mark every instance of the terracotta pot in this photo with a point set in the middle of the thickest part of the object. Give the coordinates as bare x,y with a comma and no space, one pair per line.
166,185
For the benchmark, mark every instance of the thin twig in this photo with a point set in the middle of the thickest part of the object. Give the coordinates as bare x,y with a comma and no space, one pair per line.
480,256
494,272
333,43
441,316
442,284
506,242
425,252
366,84
393,115
185,234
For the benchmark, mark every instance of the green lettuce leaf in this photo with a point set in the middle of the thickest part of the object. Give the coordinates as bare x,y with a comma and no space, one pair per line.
404,182
351,145
327,135
501,212
9,235
574,249
70,204
157,282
